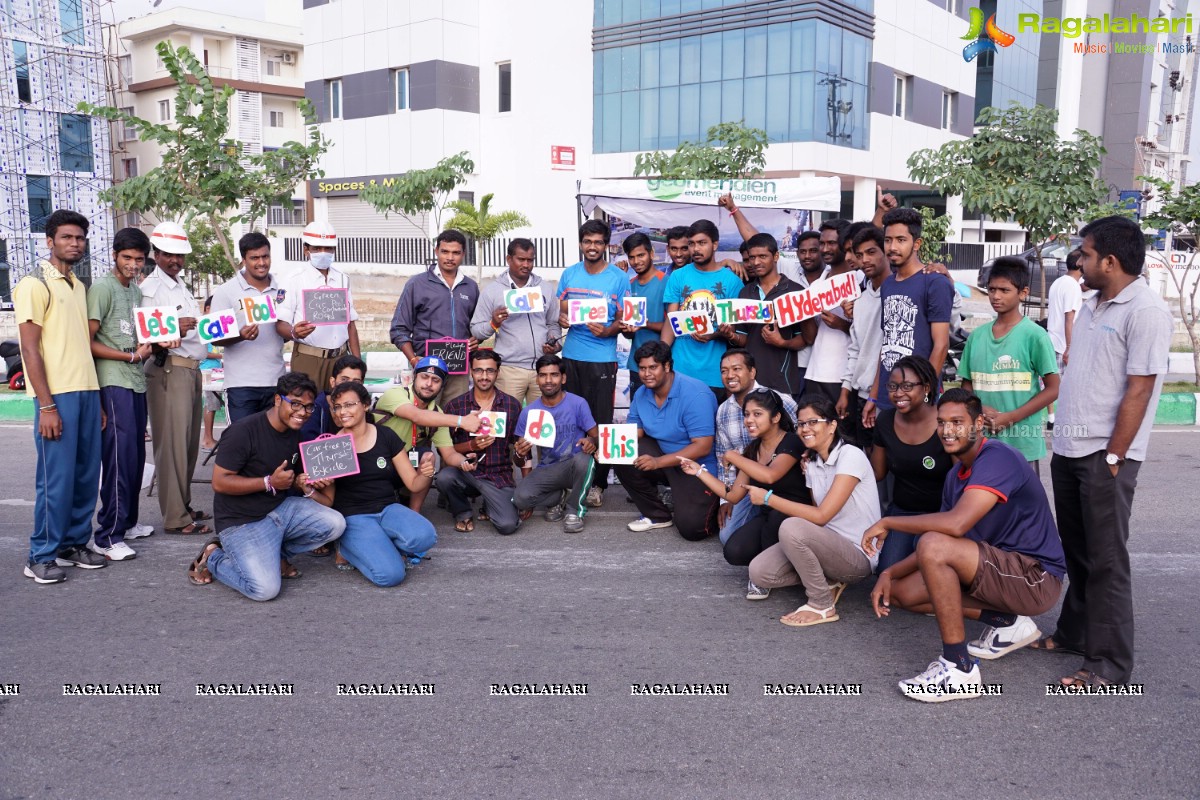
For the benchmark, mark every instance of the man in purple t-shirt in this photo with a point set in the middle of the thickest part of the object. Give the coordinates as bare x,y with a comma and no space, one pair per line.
992,554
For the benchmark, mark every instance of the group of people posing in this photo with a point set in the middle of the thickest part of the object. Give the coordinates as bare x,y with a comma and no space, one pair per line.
788,443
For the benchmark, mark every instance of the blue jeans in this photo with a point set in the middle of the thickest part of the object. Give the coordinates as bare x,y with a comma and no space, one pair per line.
377,544
242,401
742,512
897,546
68,477
248,558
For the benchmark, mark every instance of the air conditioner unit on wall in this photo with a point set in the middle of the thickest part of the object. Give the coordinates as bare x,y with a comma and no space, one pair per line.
289,58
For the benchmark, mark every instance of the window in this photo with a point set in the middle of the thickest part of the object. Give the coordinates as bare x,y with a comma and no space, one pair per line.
954,6
164,110
274,68
949,99
275,119
400,90
129,168
281,214
21,53
903,96
335,99
39,202
75,142
128,130
467,197
125,68
71,12
505,99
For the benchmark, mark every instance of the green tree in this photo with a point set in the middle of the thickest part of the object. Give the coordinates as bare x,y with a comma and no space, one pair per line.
1016,166
935,230
204,173
1179,215
420,191
482,225
731,150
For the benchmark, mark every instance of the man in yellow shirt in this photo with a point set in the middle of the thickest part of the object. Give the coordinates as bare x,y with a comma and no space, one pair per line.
52,318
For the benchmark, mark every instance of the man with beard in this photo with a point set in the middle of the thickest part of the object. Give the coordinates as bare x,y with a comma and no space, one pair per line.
916,306
697,288
649,283
258,516
828,360
675,419
565,468
173,395
521,339
866,335
492,476
992,554
119,358
51,312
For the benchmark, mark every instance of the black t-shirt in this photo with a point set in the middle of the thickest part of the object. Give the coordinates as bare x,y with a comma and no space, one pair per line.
252,448
792,485
374,487
919,470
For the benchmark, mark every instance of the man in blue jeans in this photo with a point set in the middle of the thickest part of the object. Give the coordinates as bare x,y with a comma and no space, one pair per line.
257,514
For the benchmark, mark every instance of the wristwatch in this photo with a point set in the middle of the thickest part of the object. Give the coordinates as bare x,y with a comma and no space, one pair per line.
1113,460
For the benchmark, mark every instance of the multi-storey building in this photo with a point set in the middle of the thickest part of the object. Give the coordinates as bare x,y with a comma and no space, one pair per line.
51,156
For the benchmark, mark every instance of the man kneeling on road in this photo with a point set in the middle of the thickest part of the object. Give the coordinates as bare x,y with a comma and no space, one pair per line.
257,517
992,554
676,418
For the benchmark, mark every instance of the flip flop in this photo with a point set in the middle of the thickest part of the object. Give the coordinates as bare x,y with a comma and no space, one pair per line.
198,569
194,529
199,516
464,525
825,615
285,573
1048,644
1079,678
482,516
324,551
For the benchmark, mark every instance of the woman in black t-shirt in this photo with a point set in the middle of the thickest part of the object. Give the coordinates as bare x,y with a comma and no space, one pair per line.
381,534
907,446
772,461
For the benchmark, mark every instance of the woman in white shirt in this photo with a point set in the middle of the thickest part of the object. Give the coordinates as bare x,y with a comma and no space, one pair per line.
819,544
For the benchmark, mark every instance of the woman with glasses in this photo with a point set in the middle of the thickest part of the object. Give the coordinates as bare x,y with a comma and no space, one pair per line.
908,448
381,534
772,462
819,546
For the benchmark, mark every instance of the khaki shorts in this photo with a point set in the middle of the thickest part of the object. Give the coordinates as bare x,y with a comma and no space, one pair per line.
1013,583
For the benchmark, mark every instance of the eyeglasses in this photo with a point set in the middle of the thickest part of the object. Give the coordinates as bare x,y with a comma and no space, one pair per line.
809,423
907,386
296,405
482,371
345,407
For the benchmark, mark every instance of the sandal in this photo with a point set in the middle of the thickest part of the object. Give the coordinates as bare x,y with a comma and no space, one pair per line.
287,570
324,551
1049,644
198,572
823,615
837,589
464,525
1077,679
194,529
199,516
482,516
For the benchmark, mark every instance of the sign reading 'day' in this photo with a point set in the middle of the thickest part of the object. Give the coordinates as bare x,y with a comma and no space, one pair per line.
582,312
160,324
618,444
326,306
529,300
329,456
633,312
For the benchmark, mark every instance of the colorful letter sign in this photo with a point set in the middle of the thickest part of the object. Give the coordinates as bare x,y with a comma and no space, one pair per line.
633,312
529,300
492,423
821,296
259,310
686,323
618,444
156,324
539,428
736,312
581,312
217,326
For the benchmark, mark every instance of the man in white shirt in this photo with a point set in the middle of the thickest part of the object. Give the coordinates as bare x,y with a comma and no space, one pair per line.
316,348
1065,299
173,386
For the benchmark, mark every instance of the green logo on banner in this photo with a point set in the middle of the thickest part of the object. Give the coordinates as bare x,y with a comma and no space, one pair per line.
666,190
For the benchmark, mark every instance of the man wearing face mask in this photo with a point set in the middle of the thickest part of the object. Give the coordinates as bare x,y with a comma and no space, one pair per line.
315,349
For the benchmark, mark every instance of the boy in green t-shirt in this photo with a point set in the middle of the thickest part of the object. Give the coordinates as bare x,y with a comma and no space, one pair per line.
1003,361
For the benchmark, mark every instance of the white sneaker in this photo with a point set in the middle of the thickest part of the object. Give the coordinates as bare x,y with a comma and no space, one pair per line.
646,524
139,531
117,551
755,593
942,681
996,642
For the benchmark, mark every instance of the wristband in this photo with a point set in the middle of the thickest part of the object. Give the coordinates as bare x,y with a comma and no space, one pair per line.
310,492
495,327
767,497
458,422
51,407
267,485
131,357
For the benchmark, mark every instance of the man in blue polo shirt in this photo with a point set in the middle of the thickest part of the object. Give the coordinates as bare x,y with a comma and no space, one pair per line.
676,418
992,554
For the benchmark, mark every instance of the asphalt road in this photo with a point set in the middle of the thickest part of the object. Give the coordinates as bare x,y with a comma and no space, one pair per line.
608,608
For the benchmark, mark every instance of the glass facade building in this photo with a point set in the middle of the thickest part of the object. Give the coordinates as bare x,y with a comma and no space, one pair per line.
667,70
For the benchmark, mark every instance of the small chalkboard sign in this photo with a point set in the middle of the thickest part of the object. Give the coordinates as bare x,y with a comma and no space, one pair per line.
329,456
326,306
452,351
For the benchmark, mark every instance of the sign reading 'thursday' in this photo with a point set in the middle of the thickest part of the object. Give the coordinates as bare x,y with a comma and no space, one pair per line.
734,312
